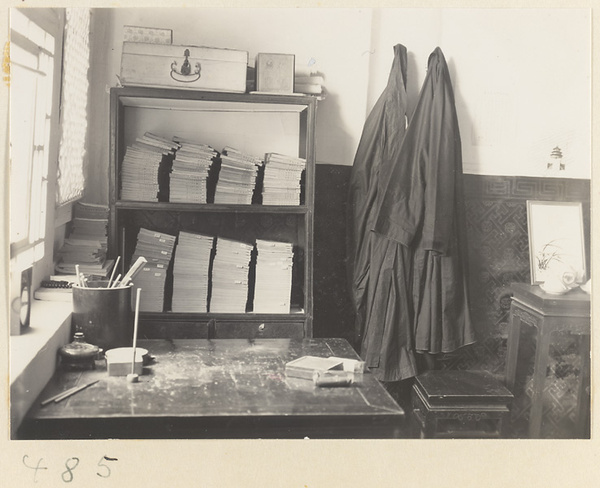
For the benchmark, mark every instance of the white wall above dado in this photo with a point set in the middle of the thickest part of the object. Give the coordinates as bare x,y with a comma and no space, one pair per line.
522,77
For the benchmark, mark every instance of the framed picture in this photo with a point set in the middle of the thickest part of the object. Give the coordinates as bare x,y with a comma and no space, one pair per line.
556,237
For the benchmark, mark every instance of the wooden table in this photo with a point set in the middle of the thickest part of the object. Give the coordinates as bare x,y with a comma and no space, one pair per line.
223,388
549,314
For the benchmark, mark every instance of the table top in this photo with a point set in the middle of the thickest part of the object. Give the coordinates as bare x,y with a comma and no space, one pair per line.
574,303
217,378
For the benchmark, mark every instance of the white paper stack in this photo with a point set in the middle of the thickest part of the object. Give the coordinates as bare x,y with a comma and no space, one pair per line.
86,245
282,179
231,265
311,84
145,167
273,285
190,172
237,177
157,248
191,272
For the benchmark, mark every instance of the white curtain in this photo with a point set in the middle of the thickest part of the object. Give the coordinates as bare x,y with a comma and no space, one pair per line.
74,103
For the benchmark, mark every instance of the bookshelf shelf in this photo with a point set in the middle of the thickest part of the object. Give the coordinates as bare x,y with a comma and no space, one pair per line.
211,207
254,123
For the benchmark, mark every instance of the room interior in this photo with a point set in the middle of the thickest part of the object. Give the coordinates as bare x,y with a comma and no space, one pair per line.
522,87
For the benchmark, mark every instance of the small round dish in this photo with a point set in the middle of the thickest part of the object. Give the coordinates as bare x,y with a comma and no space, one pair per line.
120,352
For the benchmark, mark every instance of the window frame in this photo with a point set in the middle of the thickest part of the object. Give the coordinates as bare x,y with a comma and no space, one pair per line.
39,254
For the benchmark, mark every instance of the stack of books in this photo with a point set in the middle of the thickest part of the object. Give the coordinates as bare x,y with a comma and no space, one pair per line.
190,172
282,182
157,248
191,268
273,284
146,168
311,84
237,177
86,244
231,265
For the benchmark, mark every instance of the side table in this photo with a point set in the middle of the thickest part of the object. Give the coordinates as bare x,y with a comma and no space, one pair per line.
549,314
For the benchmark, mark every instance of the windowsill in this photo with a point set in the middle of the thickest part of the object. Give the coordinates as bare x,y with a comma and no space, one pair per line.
33,355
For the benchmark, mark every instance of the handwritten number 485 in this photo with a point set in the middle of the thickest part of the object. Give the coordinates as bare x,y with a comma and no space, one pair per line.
71,463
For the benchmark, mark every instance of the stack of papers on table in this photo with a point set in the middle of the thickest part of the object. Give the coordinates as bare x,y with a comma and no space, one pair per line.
191,272
231,265
157,248
273,285
191,168
237,177
282,181
146,167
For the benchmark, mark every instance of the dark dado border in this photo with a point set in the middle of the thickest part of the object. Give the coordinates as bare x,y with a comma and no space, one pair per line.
526,188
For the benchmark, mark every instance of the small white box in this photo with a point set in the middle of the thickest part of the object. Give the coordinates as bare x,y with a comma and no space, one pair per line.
188,67
151,35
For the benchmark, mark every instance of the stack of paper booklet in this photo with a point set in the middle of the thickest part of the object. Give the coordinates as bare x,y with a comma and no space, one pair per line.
229,292
87,242
146,168
273,284
191,272
282,179
190,172
237,177
157,248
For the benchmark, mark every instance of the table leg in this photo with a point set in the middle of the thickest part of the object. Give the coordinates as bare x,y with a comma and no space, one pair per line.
583,400
512,346
544,338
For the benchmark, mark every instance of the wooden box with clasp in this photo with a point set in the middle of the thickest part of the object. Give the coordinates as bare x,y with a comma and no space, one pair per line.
188,67
460,404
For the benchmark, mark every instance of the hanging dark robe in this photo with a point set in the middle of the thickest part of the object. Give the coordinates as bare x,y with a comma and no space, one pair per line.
423,209
379,268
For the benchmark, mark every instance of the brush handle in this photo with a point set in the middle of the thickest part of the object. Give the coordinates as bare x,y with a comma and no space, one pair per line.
112,275
134,270
135,327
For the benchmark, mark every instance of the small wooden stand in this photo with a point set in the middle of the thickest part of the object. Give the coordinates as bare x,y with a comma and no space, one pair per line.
460,404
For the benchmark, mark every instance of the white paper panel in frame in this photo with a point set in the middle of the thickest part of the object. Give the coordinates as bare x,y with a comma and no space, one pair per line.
556,237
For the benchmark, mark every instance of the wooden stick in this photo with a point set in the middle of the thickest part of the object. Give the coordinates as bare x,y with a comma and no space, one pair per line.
52,398
113,271
72,391
78,275
135,327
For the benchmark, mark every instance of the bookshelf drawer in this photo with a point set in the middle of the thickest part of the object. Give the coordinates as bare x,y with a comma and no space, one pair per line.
258,329
173,329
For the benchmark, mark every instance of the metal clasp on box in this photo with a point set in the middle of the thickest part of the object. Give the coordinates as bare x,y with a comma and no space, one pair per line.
185,75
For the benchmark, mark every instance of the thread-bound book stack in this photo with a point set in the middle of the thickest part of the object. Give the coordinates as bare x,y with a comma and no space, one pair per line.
237,177
157,248
273,283
189,176
231,265
86,244
282,181
191,267
146,168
